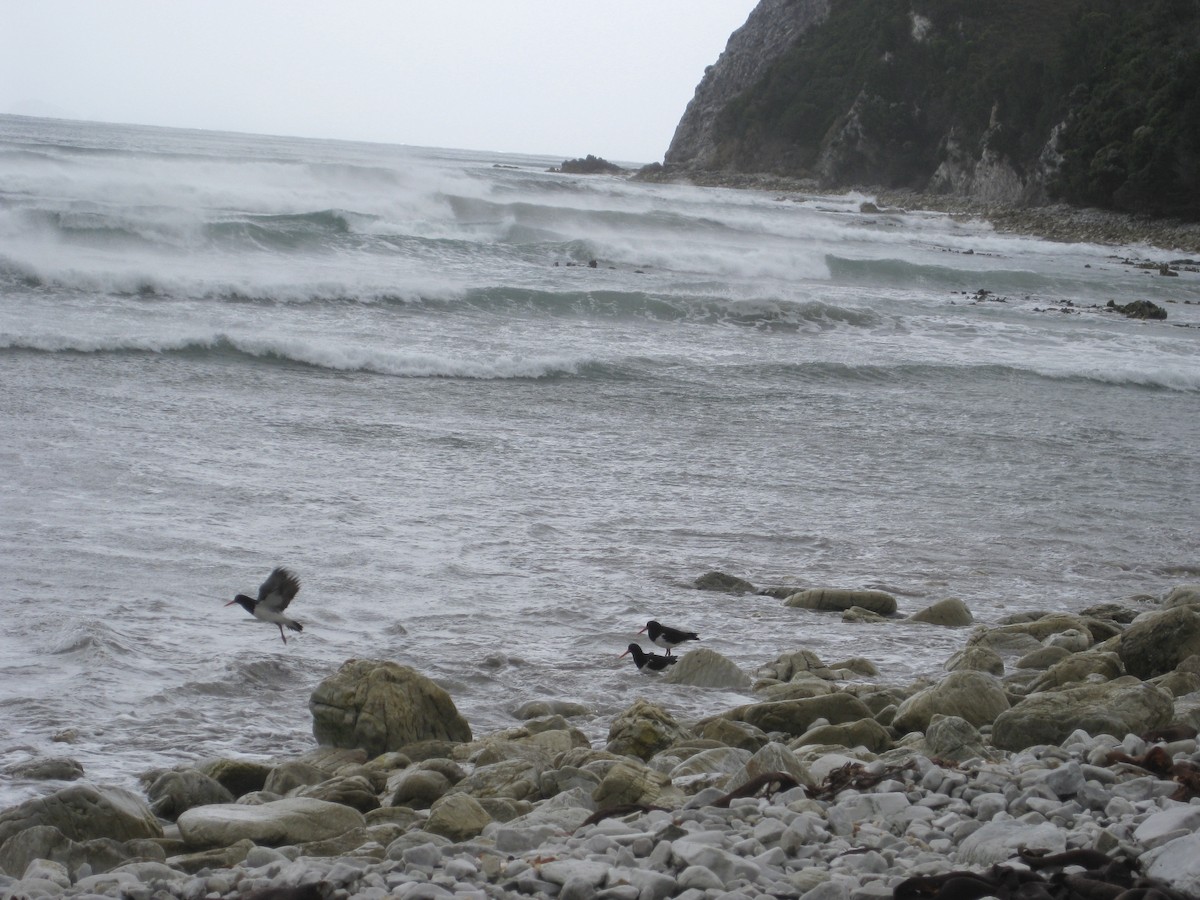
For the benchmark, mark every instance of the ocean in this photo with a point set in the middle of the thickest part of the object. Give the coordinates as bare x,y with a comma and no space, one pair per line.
496,418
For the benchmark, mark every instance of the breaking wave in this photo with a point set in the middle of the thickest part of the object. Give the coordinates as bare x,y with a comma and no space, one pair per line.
401,363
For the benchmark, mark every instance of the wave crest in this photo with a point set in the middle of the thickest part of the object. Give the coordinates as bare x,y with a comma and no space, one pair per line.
401,363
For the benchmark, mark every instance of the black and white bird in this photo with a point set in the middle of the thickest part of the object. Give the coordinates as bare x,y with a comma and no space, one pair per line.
667,637
650,661
274,595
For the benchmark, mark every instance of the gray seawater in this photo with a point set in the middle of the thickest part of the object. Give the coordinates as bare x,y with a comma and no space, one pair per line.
393,370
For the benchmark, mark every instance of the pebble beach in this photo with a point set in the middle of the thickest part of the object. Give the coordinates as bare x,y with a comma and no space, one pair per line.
833,787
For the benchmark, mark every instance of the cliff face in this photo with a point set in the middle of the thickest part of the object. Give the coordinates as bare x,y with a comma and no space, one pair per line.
1094,102
772,29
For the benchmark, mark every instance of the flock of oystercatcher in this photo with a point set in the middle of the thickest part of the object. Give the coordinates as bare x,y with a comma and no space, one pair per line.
282,585
667,638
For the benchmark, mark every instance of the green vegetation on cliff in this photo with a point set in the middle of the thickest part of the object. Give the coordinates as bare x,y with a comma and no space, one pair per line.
1133,139
886,90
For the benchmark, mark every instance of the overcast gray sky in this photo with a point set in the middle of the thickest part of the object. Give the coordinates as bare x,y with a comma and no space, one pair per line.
560,77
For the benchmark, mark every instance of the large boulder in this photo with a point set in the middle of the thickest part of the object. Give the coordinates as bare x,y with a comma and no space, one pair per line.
348,790
977,659
773,757
418,788
972,695
733,734
1157,642
381,706
952,738
1039,627
174,792
1184,595
795,717
535,709
864,733
841,599
708,767
296,820
238,776
83,812
795,665
950,612
514,779
720,581
629,782
643,730
1120,707
215,858
292,775
1079,667
458,817
48,843
708,668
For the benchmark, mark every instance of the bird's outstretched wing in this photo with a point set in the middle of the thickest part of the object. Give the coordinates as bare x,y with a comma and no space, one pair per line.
278,590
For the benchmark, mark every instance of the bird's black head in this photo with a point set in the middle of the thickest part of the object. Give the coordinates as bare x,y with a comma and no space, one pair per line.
246,603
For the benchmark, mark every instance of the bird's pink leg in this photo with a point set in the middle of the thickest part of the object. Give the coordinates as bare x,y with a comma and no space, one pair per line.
281,634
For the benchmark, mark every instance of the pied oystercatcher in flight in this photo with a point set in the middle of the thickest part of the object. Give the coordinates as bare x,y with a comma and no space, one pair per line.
667,637
649,661
274,595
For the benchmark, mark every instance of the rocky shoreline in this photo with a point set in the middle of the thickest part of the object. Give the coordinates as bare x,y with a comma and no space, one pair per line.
1056,758
1056,222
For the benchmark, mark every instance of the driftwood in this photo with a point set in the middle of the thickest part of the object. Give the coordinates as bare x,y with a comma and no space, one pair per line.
1157,761
622,810
853,777
1105,878
779,781
318,890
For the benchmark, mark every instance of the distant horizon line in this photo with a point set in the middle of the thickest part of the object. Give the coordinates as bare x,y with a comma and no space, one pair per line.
64,117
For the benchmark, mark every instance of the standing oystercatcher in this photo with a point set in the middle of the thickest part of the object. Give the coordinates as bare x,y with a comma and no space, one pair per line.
649,661
274,595
667,637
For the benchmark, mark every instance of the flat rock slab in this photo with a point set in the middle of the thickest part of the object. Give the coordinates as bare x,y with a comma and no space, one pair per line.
295,820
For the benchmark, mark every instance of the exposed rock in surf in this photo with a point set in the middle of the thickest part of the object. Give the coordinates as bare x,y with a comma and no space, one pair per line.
56,768
950,612
841,599
1138,309
720,581
707,668
588,165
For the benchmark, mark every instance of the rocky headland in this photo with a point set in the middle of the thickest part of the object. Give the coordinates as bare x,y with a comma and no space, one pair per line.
1074,121
1057,757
